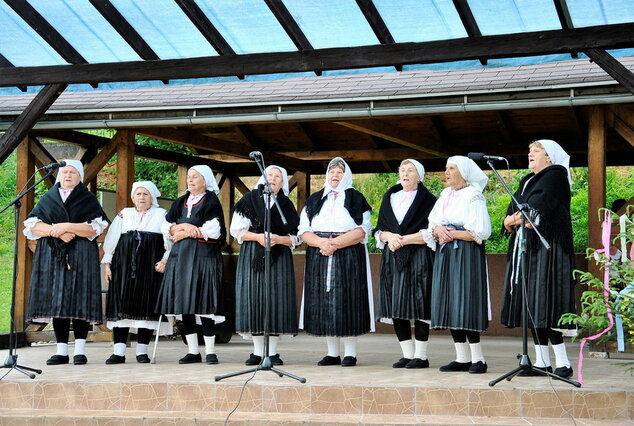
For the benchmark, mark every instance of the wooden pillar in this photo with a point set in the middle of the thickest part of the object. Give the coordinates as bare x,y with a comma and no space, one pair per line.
596,176
182,179
125,169
227,199
303,189
25,167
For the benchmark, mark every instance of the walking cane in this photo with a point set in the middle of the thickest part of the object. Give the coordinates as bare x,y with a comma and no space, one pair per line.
158,329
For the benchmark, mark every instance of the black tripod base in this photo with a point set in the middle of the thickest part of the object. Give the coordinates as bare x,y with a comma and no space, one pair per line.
12,362
525,365
265,365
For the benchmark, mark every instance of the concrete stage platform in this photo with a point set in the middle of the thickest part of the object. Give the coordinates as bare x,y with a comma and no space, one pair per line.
167,393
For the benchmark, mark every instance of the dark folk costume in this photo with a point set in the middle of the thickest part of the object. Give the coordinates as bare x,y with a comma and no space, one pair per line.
250,291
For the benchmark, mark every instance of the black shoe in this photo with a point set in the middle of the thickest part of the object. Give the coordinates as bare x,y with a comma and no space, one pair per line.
276,360
80,359
116,359
478,368
401,363
330,360
190,359
418,363
349,361
564,372
533,373
57,360
253,360
455,366
143,359
211,359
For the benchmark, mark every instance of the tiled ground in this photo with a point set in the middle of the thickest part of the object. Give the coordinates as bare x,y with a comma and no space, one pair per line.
372,392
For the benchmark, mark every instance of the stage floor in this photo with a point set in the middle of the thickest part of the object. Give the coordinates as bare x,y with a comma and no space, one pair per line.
356,394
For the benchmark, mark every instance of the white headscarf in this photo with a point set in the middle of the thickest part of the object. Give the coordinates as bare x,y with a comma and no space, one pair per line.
345,183
419,168
471,173
557,155
208,175
282,170
151,188
77,165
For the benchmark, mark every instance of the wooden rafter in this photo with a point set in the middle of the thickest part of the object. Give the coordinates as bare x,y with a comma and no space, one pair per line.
506,128
27,119
289,25
352,155
196,140
613,67
5,63
172,157
42,158
92,169
240,186
206,28
86,140
246,135
563,13
579,125
309,139
622,121
376,22
397,135
468,21
496,46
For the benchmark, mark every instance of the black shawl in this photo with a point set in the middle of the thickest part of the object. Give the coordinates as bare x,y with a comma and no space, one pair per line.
210,209
415,219
548,194
81,206
355,203
251,206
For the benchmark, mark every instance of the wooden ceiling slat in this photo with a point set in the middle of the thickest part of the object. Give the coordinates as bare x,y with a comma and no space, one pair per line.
376,22
291,27
497,46
468,21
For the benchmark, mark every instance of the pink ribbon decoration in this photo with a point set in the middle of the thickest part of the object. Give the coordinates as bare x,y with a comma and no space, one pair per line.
605,239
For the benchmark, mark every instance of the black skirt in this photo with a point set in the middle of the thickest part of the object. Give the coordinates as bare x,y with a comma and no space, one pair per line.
133,290
460,288
250,294
550,288
406,294
65,288
344,311
193,281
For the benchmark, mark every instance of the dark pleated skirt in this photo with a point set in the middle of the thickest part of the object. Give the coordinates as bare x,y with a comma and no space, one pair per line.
133,290
344,311
193,281
58,291
550,289
459,297
406,294
251,294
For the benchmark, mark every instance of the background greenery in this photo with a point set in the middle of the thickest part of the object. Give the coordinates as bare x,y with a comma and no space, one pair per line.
620,184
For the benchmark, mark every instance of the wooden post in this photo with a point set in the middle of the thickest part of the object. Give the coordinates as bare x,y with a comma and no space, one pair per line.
125,169
182,179
227,199
596,177
303,189
25,167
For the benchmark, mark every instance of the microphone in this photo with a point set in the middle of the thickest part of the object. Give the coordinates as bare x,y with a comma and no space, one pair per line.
54,166
254,155
480,156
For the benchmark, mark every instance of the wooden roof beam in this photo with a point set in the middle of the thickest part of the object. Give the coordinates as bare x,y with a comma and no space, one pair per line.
166,156
206,28
309,139
196,140
376,22
92,169
468,21
42,158
73,137
246,135
622,121
388,154
45,30
27,119
614,36
5,63
613,67
397,135
563,13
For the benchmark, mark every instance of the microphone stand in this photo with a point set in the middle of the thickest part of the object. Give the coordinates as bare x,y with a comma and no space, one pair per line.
11,362
266,363
524,360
